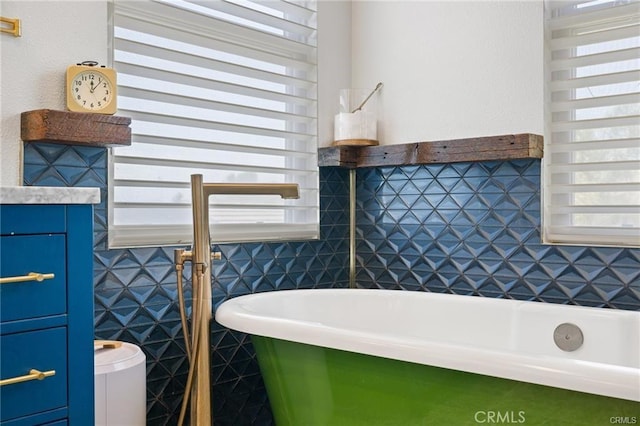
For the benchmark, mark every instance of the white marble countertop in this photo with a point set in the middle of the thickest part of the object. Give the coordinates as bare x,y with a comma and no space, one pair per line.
48,195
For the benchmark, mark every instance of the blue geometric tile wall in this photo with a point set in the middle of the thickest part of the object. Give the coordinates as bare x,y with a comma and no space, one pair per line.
135,289
474,228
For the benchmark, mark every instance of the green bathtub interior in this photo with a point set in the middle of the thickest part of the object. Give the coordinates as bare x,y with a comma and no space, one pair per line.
311,385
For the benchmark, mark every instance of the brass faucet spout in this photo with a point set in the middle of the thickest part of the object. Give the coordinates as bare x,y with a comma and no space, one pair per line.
285,190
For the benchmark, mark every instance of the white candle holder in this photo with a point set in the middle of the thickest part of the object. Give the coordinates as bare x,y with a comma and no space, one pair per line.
356,123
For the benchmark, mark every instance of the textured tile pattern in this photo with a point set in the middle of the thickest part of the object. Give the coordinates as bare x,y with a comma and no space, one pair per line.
474,228
135,289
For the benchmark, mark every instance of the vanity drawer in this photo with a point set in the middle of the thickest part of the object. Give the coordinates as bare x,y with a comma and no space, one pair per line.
21,255
32,219
42,350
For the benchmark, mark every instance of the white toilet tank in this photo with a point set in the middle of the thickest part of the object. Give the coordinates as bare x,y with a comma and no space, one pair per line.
120,384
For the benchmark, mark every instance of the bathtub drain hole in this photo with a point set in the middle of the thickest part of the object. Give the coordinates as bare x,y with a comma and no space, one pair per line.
568,337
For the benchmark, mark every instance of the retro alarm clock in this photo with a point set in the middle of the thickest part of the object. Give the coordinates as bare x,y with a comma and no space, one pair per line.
91,88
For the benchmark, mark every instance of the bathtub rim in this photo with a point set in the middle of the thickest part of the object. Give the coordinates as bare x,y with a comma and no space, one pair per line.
578,375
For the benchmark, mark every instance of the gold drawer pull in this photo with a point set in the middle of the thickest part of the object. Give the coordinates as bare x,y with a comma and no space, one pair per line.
31,276
33,375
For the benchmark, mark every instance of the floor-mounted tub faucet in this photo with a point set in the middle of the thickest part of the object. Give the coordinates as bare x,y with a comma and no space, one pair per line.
198,387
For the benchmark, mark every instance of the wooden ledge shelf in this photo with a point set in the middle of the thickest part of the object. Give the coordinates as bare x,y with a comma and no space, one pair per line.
505,147
75,128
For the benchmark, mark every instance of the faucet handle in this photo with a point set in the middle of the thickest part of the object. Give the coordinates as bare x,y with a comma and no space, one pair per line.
180,256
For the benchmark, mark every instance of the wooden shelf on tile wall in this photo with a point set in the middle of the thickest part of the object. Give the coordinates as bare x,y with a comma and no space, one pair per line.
75,128
505,147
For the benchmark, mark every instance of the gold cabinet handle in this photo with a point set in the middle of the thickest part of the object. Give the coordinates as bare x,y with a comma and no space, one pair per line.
33,375
31,276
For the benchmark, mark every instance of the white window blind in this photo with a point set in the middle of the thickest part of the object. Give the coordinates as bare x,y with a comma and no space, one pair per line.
592,152
226,89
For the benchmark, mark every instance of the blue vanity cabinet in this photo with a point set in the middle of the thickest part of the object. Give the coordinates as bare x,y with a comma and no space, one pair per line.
46,328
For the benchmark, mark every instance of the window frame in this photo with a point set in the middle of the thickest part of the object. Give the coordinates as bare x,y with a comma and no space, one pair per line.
300,217
561,205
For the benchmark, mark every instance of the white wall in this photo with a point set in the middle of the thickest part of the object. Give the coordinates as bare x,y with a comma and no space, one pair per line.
451,69
55,34
334,62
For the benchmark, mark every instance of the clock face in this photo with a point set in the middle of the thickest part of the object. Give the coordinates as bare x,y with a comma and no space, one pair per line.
91,90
